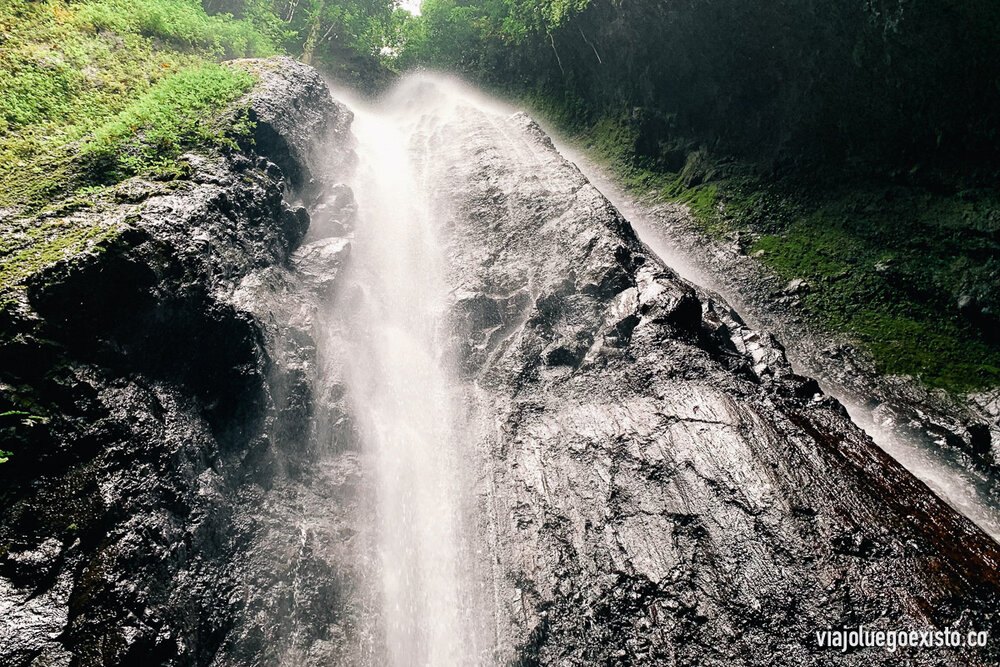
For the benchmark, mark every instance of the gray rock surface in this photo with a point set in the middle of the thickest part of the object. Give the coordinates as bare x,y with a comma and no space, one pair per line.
658,487
299,124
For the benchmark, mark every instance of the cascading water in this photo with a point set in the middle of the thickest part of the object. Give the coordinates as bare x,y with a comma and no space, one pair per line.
404,396
416,269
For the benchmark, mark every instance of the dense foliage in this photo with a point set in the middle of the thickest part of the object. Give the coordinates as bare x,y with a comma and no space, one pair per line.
885,79
156,126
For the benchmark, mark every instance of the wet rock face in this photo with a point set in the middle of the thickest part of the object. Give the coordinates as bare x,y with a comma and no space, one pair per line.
156,404
299,124
660,487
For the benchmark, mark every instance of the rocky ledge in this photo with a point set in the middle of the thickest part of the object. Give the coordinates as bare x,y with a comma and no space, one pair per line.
140,398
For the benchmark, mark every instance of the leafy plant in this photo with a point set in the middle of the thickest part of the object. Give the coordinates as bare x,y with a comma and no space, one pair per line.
174,114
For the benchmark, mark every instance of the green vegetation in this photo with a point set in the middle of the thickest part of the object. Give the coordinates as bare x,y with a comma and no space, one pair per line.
612,143
181,23
353,41
911,273
171,116
101,91
14,416
97,91
915,274
713,105
794,80
29,245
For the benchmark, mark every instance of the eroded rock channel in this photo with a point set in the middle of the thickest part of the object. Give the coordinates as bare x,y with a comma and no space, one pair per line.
638,477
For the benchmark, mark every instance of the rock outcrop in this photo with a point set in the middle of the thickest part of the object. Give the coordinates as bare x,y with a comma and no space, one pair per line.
659,488
147,405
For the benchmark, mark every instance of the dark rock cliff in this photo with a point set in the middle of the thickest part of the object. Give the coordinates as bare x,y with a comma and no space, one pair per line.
141,401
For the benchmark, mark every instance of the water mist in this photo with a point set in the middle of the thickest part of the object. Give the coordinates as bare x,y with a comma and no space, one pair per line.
395,306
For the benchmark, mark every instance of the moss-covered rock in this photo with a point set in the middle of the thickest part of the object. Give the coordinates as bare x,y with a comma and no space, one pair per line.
135,396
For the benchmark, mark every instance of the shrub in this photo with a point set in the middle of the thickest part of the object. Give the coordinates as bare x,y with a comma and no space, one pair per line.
174,114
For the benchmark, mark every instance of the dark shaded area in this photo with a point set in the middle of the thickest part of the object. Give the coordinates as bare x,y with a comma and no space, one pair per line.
794,80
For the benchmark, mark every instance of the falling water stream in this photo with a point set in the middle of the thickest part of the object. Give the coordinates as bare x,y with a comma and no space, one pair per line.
404,395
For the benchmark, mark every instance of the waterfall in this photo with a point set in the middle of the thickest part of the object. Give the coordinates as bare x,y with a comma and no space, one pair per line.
477,246
394,305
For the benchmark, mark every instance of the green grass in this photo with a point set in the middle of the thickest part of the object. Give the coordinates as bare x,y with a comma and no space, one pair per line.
98,91
179,23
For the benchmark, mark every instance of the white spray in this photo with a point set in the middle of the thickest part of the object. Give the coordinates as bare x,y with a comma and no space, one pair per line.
404,395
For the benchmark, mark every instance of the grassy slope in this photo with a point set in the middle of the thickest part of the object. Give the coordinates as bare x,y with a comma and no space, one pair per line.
886,263
96,92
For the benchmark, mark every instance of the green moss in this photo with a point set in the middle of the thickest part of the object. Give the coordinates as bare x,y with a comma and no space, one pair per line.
611,142
70,69
30,245
886,263
807,251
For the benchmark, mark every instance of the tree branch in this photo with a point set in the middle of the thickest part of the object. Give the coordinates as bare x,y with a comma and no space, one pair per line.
590,45
558,61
